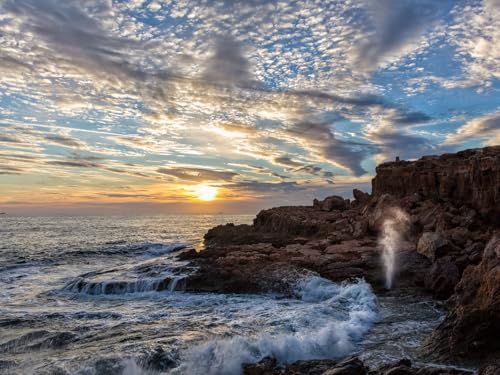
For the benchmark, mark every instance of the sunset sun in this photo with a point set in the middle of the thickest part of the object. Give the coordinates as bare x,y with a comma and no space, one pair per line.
206,193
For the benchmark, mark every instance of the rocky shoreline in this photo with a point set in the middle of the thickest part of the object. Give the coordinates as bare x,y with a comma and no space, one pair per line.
449,248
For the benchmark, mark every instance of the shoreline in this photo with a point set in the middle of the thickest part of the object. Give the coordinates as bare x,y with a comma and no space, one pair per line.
448,250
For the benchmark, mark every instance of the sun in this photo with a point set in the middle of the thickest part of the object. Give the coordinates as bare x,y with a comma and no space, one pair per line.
206,192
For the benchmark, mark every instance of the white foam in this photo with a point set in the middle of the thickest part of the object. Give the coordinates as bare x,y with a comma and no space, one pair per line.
335,336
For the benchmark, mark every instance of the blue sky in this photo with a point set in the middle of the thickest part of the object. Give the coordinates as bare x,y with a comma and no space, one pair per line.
134,106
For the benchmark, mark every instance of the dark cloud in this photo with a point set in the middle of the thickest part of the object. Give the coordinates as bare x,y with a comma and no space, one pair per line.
9,139
409,118
394,25
264,170
7,169
296,166
287,161
393,143
197,174
78,161
228,65
63,141
319,136
75,33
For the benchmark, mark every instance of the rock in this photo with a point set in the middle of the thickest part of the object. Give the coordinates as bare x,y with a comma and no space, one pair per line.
470,177
442,278
332,203
361,198
472,327
490,368
267,366
433,246
350,366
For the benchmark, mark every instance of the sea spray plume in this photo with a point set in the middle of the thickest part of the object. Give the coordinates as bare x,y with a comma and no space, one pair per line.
394,227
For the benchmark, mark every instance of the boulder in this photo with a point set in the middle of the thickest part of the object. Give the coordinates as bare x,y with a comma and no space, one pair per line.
433,245
360,197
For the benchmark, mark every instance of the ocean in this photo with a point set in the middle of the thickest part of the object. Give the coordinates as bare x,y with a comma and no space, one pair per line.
104,295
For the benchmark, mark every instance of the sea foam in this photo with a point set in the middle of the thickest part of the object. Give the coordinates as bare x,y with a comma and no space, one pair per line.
345,313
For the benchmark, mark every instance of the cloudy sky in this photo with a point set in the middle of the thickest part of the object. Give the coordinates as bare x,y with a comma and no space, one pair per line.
137,106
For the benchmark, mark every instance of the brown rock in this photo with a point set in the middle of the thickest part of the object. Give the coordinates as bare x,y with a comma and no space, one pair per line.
361,198
267,366
490,368
472,327
442,278
433,246
332,203
470,177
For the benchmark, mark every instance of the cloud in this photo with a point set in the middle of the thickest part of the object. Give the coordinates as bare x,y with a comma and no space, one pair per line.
396,27
197,174
7,169
228,65
9,139
476,37
298,167
485,128
63,141
267,187
78,161
318,136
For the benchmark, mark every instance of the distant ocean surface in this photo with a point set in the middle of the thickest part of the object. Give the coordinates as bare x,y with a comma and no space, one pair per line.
88,296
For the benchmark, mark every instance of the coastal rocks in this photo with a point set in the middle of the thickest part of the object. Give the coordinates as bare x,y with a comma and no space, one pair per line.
281,226
491,368
349,366
263,267
269,366
470,177
472,327
332,203
442,278
360,197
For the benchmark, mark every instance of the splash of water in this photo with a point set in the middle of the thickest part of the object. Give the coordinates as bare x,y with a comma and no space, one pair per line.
394,228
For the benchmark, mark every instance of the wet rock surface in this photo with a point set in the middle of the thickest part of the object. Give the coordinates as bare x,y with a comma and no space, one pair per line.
453,207
350,366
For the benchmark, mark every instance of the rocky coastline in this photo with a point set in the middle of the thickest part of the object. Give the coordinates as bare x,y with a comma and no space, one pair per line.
450,249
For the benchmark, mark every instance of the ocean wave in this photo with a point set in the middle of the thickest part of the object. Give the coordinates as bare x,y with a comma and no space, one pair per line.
335,337
120,287
148,249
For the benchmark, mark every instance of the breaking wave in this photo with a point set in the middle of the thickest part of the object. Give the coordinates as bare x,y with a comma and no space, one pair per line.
343,315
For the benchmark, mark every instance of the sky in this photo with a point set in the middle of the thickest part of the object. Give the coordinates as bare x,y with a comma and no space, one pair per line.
140,106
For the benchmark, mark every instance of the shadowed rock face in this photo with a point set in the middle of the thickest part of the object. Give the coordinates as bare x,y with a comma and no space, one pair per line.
472,327
350,366
469,177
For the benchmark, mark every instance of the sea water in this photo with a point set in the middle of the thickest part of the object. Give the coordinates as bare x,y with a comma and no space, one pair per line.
104,295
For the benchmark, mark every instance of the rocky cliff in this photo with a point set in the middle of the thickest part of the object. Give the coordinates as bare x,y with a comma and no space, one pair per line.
470,177
452,205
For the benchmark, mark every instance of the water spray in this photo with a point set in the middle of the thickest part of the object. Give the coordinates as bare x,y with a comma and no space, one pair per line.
394,228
